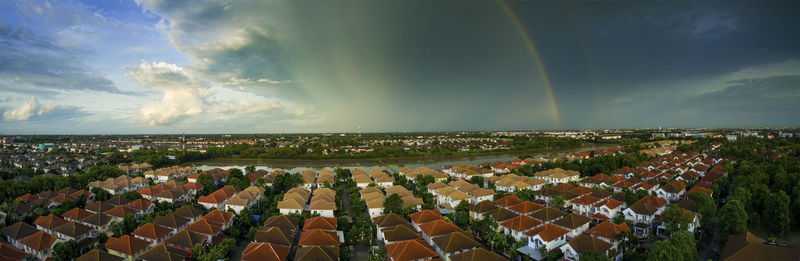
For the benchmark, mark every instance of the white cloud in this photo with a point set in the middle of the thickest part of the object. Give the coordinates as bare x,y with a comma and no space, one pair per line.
186,96
32,109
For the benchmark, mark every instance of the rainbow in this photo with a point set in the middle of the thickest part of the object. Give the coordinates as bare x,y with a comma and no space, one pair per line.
532,47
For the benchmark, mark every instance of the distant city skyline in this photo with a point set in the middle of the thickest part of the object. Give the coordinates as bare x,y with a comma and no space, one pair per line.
170,67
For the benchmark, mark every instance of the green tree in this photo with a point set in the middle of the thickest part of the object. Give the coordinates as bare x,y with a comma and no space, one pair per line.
676,219
393,204
477,180
776,213
732,219
559,201
250,169
594,256
744,196
65,251
208,184
664,251
705,207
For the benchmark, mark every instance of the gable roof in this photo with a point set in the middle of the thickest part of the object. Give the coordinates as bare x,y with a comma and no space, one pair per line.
19,230
97,255
10,253
185,238
608,230
425,216
73,229
410,250
548,232
324,223
162,252
584,243
171,221
521,223
390,220
39,241
127,244
483,207
648,205
275,235
400,233
503,214
318,237
76,214
282,221
456,241
525,207
548,214
265,251
572,221
97,219
746,247
152,231
507,201
49,222
438,227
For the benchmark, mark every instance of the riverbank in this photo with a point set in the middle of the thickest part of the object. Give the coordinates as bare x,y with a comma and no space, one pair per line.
316,163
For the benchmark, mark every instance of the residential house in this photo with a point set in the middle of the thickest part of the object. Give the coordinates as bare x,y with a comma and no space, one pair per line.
517,226
126,247
584,243
574,223
454,243
410,250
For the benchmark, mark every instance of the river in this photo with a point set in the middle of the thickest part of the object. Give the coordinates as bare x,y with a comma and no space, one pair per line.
436,163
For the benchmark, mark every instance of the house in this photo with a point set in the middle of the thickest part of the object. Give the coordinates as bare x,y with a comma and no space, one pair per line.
142,207
503,214
126,247
320,205
185,240
547,236
748,247
526,207
172,221
609,231
75,231
643,213
318,237
317,253
163,252
454,243
244,199
16,232
174,195
97,255
153,233
389,221
424,216
480,210
39,244
220,218
98,221
291,206
189,212
275,235
437,228
218,198
11,253
608,207
548,214
264,251
689,217
584,243
672,191
574,223
507,201
49,223
410,250
283,221
323,223
584,205
399,233
517,226
478,254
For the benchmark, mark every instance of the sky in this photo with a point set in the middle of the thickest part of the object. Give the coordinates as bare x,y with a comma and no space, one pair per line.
181,66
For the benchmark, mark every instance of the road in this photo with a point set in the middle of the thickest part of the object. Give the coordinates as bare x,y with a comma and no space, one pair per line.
360,251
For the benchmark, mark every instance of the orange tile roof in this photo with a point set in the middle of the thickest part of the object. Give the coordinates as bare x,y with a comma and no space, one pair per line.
204,227
323,223
265,252
425,216
11,253
49,222
585,200
39,241
410,250
140,204
318,237
152,231
76,214
507,201
127,244
527,207
548,232
120,211
608,230
520,223
218,217
438,227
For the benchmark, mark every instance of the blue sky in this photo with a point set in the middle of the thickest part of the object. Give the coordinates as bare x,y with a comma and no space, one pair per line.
152,66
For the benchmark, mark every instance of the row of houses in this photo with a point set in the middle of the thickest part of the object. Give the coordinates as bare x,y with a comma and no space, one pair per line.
171,191
120,185
449,196
169,173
